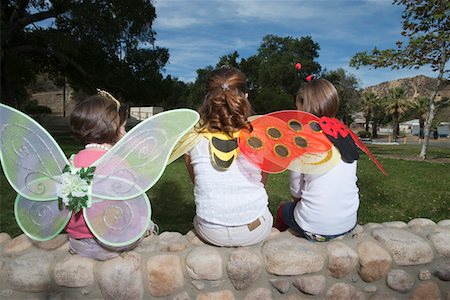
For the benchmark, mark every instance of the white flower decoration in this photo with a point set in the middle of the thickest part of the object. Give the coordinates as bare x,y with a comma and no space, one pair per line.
74,186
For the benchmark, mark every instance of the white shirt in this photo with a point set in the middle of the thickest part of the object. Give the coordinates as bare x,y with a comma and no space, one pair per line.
329,202
233,197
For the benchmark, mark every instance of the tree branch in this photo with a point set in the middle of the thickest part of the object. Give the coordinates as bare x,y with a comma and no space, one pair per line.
19,10
24,21
58,55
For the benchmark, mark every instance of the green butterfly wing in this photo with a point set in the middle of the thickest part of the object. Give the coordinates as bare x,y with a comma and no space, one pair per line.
40,220
30,157
139,159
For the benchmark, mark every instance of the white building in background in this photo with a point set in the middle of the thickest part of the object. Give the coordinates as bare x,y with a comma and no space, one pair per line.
359,122
444,129
410,127
143,112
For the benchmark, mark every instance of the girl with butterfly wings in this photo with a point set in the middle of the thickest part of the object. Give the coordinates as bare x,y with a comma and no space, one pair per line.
99,196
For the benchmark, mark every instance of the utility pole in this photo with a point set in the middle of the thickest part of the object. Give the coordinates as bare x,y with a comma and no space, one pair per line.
64,96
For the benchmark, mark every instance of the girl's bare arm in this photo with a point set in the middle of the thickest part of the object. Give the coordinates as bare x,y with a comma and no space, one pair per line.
187,162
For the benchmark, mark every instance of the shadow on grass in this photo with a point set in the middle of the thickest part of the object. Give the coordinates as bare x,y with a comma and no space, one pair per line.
173,208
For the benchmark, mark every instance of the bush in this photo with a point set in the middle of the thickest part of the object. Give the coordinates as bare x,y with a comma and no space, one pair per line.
364,134
33,108
269,100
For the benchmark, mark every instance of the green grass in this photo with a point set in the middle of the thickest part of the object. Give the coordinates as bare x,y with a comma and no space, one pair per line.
412,189
412,150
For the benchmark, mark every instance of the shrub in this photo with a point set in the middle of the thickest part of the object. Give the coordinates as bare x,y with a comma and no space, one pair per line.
364,134
33,108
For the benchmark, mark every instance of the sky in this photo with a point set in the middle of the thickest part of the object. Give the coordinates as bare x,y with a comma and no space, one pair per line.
198,32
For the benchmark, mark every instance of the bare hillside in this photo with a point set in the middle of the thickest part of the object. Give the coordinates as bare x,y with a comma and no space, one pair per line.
414,86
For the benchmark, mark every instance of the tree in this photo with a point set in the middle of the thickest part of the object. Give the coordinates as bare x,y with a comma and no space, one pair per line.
397,104
368,101
197,90
270,99
378,115
229,60
92,43
421,108
426,25
273,78
174,94
271,74
276,59
347,87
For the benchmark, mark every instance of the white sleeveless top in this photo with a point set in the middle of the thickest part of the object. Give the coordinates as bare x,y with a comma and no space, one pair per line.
231,198
329,202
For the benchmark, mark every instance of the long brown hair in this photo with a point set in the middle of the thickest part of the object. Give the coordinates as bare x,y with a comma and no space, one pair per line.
226,107
98,120
318,97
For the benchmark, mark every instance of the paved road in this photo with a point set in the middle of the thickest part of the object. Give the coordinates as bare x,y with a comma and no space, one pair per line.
442,142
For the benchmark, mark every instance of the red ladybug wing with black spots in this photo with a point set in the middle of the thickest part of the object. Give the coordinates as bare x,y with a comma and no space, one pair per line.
287,140
299,141
339,135
346,141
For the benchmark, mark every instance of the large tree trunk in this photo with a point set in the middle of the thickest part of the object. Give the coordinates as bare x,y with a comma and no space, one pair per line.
394,126
374,130
421,126
432,109
6,93
367,117
428,122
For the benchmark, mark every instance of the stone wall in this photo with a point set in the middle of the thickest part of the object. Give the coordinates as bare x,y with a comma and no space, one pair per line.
393,260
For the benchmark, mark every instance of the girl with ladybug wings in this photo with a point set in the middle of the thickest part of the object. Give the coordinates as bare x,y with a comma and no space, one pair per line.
326,198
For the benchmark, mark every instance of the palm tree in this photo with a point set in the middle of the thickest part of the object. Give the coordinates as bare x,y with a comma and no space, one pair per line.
367,104
378,115
396,106
421,104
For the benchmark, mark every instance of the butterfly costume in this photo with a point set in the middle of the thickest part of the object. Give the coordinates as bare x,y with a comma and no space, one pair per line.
116,208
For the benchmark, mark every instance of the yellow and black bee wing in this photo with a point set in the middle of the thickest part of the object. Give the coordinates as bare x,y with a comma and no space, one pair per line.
224,149
186,143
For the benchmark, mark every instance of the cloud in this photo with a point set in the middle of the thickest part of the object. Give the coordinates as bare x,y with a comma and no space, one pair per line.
177,22
198,32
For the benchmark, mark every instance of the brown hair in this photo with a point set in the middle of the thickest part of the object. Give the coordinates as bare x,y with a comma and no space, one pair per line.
318,97
97,120
226,107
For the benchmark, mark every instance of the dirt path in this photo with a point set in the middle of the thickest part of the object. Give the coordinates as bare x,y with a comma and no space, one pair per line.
440,160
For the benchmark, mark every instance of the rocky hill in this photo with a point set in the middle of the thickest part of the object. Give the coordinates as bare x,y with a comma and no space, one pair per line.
414,86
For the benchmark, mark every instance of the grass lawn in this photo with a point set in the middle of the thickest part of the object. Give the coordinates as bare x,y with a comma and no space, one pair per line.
413,189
